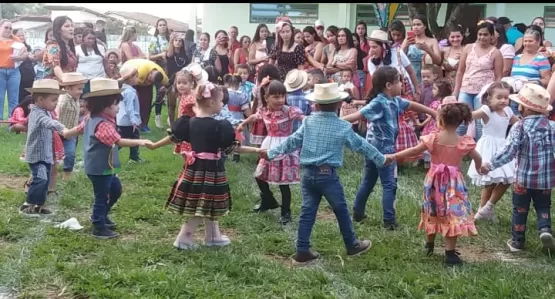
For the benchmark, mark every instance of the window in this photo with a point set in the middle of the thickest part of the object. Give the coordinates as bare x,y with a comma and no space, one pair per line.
367,13
299,13
549,16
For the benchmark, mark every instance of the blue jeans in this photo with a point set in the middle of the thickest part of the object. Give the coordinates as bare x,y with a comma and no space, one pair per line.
38,189
475,103
69,150
521,206
9,81
389,186
107,191
361,77
318,181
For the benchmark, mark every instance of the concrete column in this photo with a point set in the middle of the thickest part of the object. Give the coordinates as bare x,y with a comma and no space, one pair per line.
193,17
344,15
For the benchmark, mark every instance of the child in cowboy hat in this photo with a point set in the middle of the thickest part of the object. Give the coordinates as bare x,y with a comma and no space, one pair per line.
321,139
38,149
101,141
530,141
295,82
129,116
68,114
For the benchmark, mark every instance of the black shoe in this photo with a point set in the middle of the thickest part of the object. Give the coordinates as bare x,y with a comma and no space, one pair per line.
103,233
285,218
268,203
236,158
452,258
305,258
110,224
429,248
360,248
359,218
391,225
34,210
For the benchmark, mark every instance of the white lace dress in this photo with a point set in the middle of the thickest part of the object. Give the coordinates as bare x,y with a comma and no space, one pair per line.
491,142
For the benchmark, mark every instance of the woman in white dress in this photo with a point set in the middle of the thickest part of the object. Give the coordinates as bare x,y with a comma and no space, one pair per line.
91,60
496,116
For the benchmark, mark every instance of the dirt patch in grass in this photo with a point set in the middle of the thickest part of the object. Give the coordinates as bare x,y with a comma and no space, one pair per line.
12,182
49,291
483,255
325,213
128,237
284,260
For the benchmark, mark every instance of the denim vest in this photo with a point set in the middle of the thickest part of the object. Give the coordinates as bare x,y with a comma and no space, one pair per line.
99,158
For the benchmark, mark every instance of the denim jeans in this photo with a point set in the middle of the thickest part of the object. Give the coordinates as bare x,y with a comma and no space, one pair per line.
521,207
70,146
361,77
127,132
38,189
9,81
107,191
389,186
318,181
475,103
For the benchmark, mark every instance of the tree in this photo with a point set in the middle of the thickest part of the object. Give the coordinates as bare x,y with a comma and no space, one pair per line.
454,15
114,26
12,10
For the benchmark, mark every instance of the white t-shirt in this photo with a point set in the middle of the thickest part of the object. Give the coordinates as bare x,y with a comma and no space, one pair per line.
507,51
405,62
91,66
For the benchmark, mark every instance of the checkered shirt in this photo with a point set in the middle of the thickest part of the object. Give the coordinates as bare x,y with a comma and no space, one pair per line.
68,111
531,142
321,139
106,131
39,146
298,99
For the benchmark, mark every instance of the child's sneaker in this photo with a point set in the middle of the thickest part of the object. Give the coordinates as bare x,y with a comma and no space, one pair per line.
224,241
360,248
305,258
452,258
104,233
429,248
133,161
484,213
185,246
285,218
514,246
548,242
158,121
34,210
359,218
390,225
110,224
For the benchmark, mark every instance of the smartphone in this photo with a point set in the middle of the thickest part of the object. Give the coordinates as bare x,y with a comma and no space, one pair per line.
411,35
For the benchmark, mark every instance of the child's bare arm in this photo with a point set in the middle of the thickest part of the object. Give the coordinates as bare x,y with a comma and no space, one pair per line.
251,119
474,155
514,119
162,142
479,114
426,121
76,131
411,152
123,142
422,109
248,149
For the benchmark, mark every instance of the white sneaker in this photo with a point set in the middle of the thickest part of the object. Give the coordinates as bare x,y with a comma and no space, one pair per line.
169,122
224,241
158,121
547,241
484,214
185,246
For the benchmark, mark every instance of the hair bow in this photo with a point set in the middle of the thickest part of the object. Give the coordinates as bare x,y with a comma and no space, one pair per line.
483,21
208,86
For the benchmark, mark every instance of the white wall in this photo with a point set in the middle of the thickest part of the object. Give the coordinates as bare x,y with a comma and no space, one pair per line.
76,15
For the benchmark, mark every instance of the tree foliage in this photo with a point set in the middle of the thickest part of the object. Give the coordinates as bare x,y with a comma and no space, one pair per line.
12,10
454,14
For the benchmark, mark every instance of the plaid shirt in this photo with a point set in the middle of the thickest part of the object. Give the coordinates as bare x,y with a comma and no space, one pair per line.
321,139
39,136
298,99
68,110
106,132
226,114
383,121
531,142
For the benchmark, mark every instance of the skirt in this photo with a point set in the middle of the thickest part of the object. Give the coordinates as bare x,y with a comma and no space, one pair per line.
258,133
488,146
446,208
201,190
283,170
406,139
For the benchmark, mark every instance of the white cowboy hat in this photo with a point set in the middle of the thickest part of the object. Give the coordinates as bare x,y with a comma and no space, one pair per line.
127,71
327,93
103,87
533,97
200,75
72,79
295,80
379,36
48,86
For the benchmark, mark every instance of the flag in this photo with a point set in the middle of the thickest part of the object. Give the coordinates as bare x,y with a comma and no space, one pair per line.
386,12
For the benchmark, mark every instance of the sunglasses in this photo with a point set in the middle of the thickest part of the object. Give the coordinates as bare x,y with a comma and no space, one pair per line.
10,28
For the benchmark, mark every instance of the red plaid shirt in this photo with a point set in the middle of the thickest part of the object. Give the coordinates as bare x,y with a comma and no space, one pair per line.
106,131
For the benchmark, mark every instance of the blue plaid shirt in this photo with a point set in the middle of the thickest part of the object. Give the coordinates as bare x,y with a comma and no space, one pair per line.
226,114
247,88
321,138
531,142
382,114
298,99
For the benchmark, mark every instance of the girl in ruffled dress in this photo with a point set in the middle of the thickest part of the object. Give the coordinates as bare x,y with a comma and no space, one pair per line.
282,171
446,208
184,84
258,130
496,115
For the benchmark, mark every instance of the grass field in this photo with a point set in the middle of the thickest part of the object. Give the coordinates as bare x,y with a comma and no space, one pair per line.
39,261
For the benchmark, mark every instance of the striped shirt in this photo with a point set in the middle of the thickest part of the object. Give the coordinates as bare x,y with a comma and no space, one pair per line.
531,141
39,136
532,70
298,99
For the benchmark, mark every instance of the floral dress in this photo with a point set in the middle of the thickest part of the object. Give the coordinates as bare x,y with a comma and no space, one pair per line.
287,61
186,104
158,44
446,208
52,59
284,169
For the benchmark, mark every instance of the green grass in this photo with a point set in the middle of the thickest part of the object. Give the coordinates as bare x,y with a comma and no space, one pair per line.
39,261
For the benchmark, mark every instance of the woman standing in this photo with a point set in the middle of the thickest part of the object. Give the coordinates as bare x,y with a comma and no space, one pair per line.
499,40
287,55
313,45
241,54
451,54
362,33
159,43
91,62
258,51
127,48
59,56
423,48
344,56
201,54
481,63
26,68
331,36
177,58
220,55
10,77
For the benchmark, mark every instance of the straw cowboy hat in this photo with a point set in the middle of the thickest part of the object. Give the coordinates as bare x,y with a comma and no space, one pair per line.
327,93
73,79
103,87
295,80
533,97
127,71
200,75
379,36
48,86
